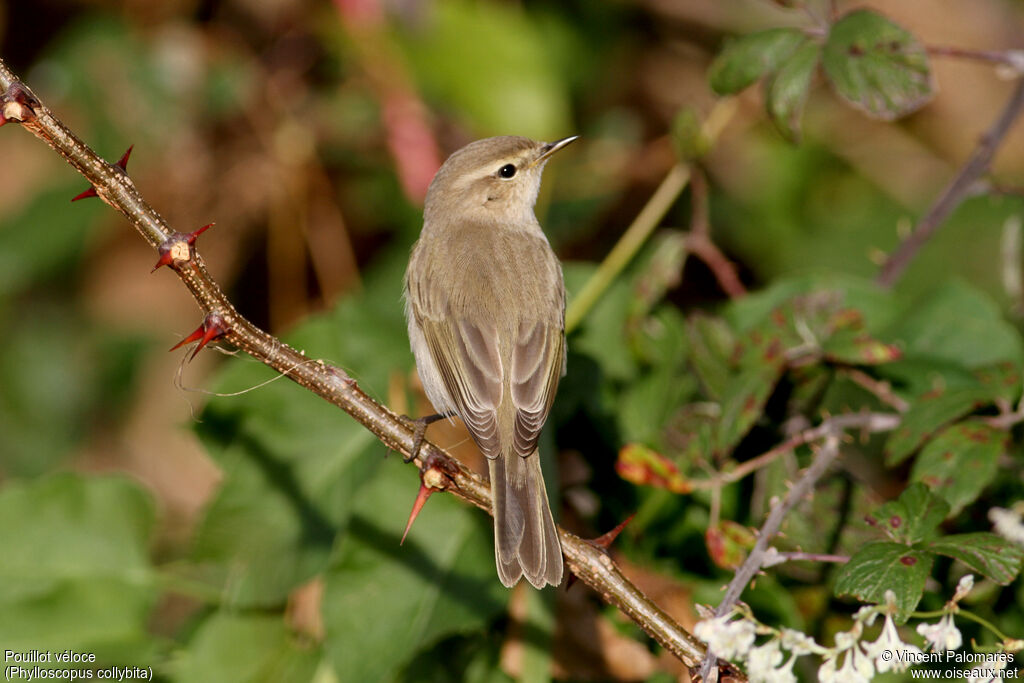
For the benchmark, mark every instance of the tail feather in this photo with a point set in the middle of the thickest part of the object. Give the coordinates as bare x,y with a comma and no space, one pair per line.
525,538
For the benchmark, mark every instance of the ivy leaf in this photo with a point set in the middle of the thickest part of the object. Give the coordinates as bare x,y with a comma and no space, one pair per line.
787,92
984,552
960,461
927,415
747,59
911,518
882,566
877,66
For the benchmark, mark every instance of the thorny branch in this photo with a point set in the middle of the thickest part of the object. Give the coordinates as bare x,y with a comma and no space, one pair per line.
592,565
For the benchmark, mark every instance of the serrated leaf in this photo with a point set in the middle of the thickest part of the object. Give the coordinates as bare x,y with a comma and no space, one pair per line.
788,90
877,66
960,461
927,415
728,543
378,593
913,517
646,467
648,403
986,553
882,566
746,59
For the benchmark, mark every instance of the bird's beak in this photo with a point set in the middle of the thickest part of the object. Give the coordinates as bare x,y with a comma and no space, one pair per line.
550,148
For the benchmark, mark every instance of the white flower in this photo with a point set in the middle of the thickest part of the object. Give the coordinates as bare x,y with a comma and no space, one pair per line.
943,635
857,668
1007,524
901,655
764,664
728,639
800,643
963,587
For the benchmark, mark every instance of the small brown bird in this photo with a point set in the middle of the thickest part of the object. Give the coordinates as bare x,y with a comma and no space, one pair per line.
485,304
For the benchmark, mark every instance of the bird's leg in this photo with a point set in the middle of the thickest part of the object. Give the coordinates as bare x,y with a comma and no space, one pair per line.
420,429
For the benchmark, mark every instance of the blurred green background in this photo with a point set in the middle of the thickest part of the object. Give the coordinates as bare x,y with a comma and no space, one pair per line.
255,537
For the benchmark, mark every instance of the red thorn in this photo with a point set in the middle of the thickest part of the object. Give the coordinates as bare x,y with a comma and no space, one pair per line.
3,120
196,334
421,499
165,260
570,581
212,332
122,163
212,328
91,192
604,541
191,239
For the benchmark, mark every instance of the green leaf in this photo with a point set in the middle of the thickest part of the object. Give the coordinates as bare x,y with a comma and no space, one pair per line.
602,334
747,59
1004,378
743,402
788,90
711,346
849,342
646,467
378,593
927,415
882,566
986,553
877,66
648,402
913,517
245,647
75,571
293,462
957,323
960,461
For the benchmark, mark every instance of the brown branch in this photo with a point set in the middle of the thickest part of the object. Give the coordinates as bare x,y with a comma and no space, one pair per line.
825,457
1011,58
699,243
593,566
957,190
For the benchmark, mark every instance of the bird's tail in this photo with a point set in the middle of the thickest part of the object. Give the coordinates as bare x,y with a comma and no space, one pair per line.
525,538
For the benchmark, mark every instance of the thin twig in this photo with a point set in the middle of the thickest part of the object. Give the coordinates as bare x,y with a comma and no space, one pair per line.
825,457
796,556
868,422
645,222
699,242
590,564
1014,58
957,190
881,389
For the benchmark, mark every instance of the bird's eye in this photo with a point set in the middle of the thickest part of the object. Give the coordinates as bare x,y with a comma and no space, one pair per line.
507,171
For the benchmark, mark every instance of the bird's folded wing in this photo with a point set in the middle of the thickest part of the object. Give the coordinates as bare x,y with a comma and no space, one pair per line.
469,362
537,362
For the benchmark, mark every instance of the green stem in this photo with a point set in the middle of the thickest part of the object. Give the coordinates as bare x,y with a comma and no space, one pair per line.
628,245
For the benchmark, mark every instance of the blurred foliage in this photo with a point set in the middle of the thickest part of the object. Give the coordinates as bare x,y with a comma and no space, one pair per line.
297,126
